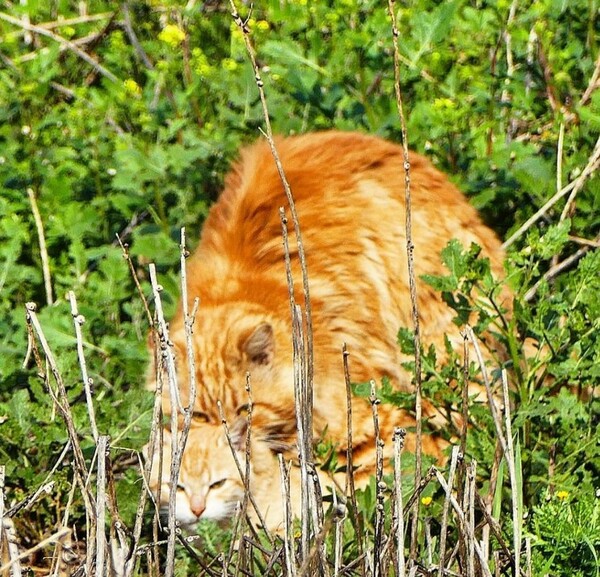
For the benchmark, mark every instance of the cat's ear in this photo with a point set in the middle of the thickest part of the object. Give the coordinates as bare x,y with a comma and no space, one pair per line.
259,347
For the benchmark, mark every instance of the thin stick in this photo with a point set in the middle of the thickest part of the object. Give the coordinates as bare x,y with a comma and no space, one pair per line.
339,510
241,472
445,510
411,280
63,42
175,409
57,553
379,487
62,403
470,509
45,487
242,25
142,55
591,166
515,490
486,505
505,98
156,437
555,270
39,225
593,84
304,435
463,523
43,543
78,321
138,286
7,531
189,345
101,504
76,20
350,485
494,527
491,401
288,542
399,435
248,451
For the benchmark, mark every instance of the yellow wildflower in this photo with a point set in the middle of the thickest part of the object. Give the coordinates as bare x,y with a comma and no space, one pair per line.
562,495
444,103
132,87
426,501
262,25
229,64
172,35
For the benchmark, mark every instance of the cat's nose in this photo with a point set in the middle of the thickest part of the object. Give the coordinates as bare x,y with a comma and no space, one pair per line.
197,505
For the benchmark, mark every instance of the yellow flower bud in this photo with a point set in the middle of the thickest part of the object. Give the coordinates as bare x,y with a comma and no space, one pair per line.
132,87
172,35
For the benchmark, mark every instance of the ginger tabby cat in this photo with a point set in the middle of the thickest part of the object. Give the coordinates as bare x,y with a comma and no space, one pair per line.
349,194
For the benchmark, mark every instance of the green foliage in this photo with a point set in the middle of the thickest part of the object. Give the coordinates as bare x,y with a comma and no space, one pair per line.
565,532
140,148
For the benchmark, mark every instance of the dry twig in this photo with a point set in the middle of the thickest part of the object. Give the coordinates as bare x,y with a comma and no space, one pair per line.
411,279
63,42
39,225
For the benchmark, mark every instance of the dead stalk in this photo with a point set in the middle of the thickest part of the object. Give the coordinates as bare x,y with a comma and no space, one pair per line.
288,537
63,43
399,435
78,321
138,286
61,402
444,530
43,543
515,488
573,187
241,472
39,225
350,486
411,279
243,26
379,487
176,408
101,505
464,525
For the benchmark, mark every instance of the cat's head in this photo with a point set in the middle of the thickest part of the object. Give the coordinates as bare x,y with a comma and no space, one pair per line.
209,484
229,343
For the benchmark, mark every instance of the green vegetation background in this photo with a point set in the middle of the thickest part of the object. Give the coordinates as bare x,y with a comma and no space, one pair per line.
140,148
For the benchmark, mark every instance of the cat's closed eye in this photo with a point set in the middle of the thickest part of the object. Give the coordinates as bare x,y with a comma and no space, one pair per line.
217,484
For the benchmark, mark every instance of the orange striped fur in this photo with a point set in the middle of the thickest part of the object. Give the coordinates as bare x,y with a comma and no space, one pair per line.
349,195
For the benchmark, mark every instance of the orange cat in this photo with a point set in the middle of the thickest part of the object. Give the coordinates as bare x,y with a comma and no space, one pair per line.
210,485
349,195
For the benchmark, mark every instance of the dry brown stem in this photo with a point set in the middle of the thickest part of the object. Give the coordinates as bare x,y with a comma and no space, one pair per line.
464,525
446,509
380,487
78,321
559,267
61,402
398,516
63,42
101,505
39,225
573,187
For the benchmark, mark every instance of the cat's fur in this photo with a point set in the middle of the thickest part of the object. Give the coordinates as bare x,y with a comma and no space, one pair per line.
349,195
210,485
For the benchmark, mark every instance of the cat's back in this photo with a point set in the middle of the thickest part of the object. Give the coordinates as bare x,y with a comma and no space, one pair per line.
349,193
